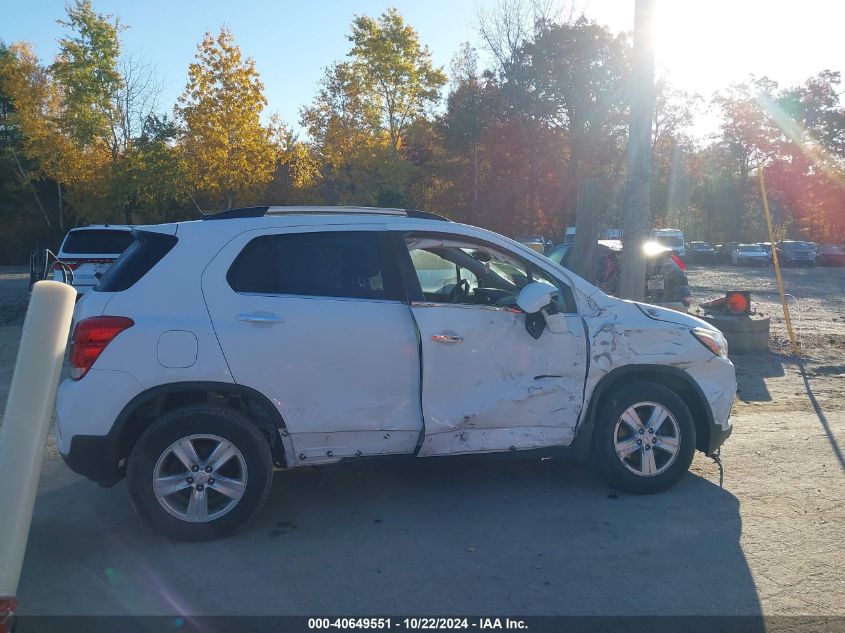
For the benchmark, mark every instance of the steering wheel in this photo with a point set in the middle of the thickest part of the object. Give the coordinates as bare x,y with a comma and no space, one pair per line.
460,291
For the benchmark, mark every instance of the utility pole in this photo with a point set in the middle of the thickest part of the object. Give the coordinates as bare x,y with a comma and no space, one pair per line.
637,189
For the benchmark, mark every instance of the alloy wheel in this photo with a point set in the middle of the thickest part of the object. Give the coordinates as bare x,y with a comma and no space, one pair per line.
199,478
647,439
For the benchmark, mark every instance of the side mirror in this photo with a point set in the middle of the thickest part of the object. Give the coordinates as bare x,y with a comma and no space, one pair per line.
534,297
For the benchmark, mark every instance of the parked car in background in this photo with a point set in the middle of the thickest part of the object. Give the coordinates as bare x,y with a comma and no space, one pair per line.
535,243
749,255
87,253
766,246
796,253
700,253
830,255
203,359
670,238
666,279
723,251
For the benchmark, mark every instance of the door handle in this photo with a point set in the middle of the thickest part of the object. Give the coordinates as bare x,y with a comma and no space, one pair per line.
259,317
444,337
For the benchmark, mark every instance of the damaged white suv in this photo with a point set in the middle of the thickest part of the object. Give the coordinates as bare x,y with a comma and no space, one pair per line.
215,351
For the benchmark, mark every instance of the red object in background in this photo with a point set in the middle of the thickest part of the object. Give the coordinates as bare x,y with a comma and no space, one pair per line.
736,302
678,261
7,610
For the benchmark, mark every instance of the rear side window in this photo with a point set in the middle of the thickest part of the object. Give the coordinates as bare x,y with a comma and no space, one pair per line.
146,251
96,242
331,264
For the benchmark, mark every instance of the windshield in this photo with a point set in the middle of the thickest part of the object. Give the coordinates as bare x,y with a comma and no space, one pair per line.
750,248
796,246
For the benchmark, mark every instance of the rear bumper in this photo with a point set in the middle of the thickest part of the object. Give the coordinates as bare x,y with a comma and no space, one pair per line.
86,411
94,457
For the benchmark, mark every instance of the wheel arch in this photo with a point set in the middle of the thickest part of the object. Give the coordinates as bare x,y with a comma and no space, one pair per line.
137,415
672,377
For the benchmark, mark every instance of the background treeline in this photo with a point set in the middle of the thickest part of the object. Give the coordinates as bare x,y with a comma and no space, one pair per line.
86,139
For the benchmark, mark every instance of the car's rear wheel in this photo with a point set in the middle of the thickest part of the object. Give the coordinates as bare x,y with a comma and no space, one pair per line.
643,438
199,472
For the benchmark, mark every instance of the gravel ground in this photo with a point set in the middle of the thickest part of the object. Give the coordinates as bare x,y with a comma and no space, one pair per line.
497,534
816,299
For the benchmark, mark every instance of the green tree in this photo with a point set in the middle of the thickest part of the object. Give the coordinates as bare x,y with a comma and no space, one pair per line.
86,69
396,70
225,146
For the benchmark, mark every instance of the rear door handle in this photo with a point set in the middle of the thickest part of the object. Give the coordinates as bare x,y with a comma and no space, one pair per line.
259,317
445,337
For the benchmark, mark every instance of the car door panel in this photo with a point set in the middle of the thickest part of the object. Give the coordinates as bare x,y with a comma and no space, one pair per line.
498,388
343,372
487,384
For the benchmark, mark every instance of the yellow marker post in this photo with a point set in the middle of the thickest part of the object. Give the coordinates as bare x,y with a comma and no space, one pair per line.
23,433
795,349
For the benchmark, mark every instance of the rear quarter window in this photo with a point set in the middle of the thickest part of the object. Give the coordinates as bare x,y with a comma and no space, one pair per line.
146,250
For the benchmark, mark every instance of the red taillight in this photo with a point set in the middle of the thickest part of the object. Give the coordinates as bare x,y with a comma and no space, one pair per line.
90,338
65,263
678,261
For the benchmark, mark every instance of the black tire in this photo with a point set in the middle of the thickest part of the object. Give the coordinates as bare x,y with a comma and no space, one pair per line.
199,420
611,466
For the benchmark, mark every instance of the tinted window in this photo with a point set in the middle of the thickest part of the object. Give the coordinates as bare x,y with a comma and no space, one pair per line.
96,242
316,264
146,251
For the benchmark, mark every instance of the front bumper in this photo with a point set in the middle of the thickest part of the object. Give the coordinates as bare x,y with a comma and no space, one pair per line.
716,379
718,436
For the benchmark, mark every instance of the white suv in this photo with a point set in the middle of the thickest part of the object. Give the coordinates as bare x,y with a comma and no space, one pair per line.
217,350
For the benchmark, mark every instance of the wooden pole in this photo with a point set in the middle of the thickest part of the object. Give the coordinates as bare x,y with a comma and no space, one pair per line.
637,190
586,231
795,349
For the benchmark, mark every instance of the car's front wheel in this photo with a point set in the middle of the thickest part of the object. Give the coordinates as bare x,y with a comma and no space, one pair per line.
643,438
199,472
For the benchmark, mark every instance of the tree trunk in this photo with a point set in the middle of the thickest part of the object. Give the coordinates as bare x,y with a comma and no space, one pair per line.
61,219
587,230
25,178
475,173
637,198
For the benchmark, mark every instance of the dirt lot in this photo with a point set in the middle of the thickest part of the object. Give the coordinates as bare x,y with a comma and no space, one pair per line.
498,534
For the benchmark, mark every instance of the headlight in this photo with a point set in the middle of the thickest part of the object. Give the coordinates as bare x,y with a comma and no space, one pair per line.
714,341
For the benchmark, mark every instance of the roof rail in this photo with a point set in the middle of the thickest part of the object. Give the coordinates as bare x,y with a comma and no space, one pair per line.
257,212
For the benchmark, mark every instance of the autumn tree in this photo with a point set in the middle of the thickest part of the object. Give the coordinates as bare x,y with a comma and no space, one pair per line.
396,70
63,110
226,147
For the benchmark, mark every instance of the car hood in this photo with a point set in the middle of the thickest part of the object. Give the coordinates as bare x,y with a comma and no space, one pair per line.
673,316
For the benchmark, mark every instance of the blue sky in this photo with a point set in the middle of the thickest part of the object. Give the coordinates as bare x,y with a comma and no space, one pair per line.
701,44
291,42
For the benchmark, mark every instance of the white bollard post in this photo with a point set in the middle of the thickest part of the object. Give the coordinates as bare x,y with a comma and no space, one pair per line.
23,433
